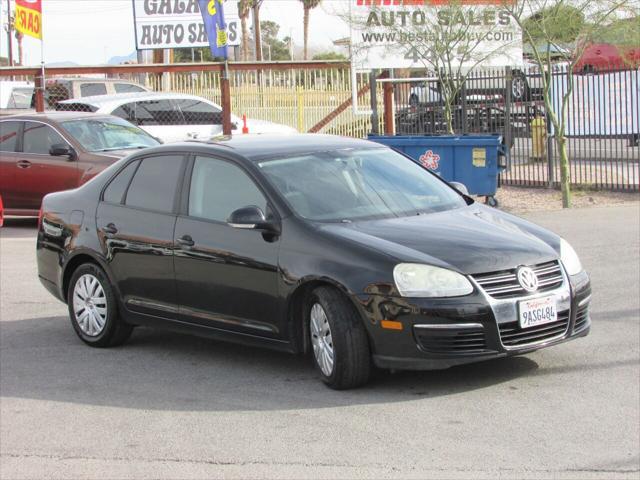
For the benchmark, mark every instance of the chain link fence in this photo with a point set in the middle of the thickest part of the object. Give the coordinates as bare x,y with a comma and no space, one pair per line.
602,122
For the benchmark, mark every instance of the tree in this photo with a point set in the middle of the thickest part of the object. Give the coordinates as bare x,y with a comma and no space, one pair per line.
307,5
329,56
564,23
541,28
278,49
244,9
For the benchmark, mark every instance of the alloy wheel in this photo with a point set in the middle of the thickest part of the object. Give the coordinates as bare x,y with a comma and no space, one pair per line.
90,305
321,339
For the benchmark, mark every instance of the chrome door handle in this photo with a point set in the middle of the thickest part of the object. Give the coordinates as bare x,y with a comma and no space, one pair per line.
186,241
24,163
110,229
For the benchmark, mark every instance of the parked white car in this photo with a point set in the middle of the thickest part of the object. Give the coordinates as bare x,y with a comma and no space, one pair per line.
171,117
15,95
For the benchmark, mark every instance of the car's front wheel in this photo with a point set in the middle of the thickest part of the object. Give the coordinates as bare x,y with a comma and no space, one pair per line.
93,308
339,341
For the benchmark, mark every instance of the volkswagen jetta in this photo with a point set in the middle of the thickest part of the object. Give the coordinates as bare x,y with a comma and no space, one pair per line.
338,247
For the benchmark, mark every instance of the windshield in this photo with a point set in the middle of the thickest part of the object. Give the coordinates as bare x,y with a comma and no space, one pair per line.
358,184
104,134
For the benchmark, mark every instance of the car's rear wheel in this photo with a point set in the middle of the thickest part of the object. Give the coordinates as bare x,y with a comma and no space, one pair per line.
519,87
93,308
339,341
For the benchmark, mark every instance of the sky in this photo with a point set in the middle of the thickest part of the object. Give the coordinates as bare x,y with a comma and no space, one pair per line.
90,32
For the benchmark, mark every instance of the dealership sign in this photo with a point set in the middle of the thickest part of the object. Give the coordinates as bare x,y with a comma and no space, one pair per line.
404,33
177,24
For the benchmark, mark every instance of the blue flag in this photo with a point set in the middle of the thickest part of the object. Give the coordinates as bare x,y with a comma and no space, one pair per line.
215,26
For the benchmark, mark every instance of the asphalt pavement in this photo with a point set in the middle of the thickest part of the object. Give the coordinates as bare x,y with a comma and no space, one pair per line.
173,406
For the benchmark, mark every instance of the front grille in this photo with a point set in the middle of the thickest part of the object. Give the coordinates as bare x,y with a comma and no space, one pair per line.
451,341
514,336
582,318
504,284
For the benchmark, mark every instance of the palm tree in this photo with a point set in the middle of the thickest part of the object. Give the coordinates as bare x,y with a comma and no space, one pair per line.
244,9
307,5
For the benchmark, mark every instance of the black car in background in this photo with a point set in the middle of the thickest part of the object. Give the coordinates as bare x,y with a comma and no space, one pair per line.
307,243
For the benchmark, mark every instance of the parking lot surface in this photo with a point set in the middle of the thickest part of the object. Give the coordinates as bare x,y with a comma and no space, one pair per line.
171,406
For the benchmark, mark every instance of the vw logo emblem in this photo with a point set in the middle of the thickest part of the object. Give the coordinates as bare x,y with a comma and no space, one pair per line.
527,279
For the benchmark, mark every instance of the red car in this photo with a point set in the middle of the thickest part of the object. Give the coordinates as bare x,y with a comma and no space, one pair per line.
44,153
601,57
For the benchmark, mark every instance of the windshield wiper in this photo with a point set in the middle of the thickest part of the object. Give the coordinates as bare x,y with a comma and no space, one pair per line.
124,147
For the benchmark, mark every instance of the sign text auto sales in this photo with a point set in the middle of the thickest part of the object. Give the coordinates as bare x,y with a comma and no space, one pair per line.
397,34
176,24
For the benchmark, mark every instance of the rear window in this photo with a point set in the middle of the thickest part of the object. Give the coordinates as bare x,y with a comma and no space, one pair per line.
9,136
155,183
57,91
90,89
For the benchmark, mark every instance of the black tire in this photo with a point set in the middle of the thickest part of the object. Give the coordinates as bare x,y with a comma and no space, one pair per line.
352,355
115,331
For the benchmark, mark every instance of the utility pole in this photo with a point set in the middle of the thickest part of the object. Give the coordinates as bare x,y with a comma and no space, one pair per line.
9,30
256,29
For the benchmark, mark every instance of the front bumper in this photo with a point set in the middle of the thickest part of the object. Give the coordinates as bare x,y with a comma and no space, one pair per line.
441,333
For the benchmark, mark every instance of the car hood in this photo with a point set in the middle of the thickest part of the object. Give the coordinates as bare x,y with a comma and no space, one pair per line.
471,240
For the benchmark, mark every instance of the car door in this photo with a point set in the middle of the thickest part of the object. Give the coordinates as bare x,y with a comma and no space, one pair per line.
202,120
159,118
36,171
135,220
10,132
226,277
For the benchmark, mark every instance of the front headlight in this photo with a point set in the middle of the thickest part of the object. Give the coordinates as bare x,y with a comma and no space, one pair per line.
569,258
416,280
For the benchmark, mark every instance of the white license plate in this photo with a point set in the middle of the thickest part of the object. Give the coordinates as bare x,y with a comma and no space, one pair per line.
537,311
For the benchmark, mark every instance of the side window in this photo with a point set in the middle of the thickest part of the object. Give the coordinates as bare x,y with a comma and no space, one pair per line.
89,89
38,138
157,112
155,183
196,112
218,188
127,88
8,136
114,193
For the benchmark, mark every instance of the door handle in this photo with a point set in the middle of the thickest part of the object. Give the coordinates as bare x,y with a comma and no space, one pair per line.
24,163
110,229
186,241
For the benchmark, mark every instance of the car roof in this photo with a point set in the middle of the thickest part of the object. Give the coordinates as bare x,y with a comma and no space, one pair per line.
54,116
260,147
101,101
90,79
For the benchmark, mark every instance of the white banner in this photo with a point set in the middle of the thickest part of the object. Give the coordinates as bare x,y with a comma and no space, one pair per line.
390,35
177,24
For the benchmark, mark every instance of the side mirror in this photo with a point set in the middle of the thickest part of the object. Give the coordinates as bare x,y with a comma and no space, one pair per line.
62,150
460,187
251,218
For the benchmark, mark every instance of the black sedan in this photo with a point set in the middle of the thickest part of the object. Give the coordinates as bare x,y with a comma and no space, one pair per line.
307,243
